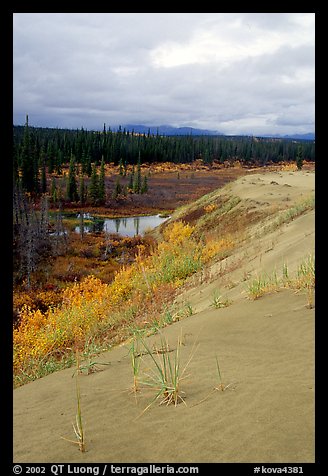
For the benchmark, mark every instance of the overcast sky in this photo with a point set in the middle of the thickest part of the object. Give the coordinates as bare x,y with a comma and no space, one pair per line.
237,73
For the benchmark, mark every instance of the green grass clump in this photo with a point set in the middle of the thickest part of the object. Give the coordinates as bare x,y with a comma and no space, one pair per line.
218,301
78,426
286,216
303,279
166,373
135,356
262,284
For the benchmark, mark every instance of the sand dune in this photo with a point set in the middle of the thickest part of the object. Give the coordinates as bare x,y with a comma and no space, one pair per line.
266,354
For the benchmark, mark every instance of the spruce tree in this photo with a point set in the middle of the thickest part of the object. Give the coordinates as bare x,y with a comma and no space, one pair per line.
42,163
101,185
35,152
53,190
71,181
137,178
94,186
121,167
88,167
51,160
59,161
117,189
130,185
299,157
144,187
82,190
44,178
28,175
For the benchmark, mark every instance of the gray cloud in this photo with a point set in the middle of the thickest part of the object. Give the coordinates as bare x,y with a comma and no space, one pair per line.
236,73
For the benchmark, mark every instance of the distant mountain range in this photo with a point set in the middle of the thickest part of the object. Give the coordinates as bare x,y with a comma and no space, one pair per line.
308,136
167,130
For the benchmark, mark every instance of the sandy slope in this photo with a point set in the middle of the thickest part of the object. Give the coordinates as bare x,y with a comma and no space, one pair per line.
266,354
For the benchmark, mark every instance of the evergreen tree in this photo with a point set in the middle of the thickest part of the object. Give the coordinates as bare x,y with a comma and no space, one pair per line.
35,153
137,178
299,157
84,162
101,185
42,165
88,167
28,176
82,190
117,189
53,190
50,156
121,167
130,185
71,181
94,186
44,178
144,187
59,161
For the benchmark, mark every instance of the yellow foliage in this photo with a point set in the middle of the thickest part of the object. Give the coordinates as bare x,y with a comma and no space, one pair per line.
289,167
89,289
87,303
120,289
215,247
210,208
177,232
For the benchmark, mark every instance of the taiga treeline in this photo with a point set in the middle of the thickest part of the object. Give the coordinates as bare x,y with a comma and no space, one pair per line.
37,150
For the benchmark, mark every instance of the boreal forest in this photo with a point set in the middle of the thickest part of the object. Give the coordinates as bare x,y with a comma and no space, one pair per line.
41,151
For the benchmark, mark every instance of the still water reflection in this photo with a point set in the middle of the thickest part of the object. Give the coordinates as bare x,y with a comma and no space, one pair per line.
130,226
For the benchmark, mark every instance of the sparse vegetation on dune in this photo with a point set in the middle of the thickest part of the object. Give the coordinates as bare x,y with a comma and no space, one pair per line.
213,314
94,313
302,280
166,373
94,309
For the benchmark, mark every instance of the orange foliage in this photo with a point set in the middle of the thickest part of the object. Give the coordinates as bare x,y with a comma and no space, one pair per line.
216,247
86,304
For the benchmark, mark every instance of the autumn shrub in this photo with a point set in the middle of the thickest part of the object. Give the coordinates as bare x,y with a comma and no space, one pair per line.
22,298
70,268
288,167
216,247
176,258
106,270
177,233
39,332
35,299
210,208
91,307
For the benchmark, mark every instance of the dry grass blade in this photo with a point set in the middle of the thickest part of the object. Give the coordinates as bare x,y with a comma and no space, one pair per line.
220,387
135,356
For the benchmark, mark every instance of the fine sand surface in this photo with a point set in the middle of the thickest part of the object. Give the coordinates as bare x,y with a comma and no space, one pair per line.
266,353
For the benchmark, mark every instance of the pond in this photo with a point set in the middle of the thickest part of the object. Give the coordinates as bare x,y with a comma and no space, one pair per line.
129,226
